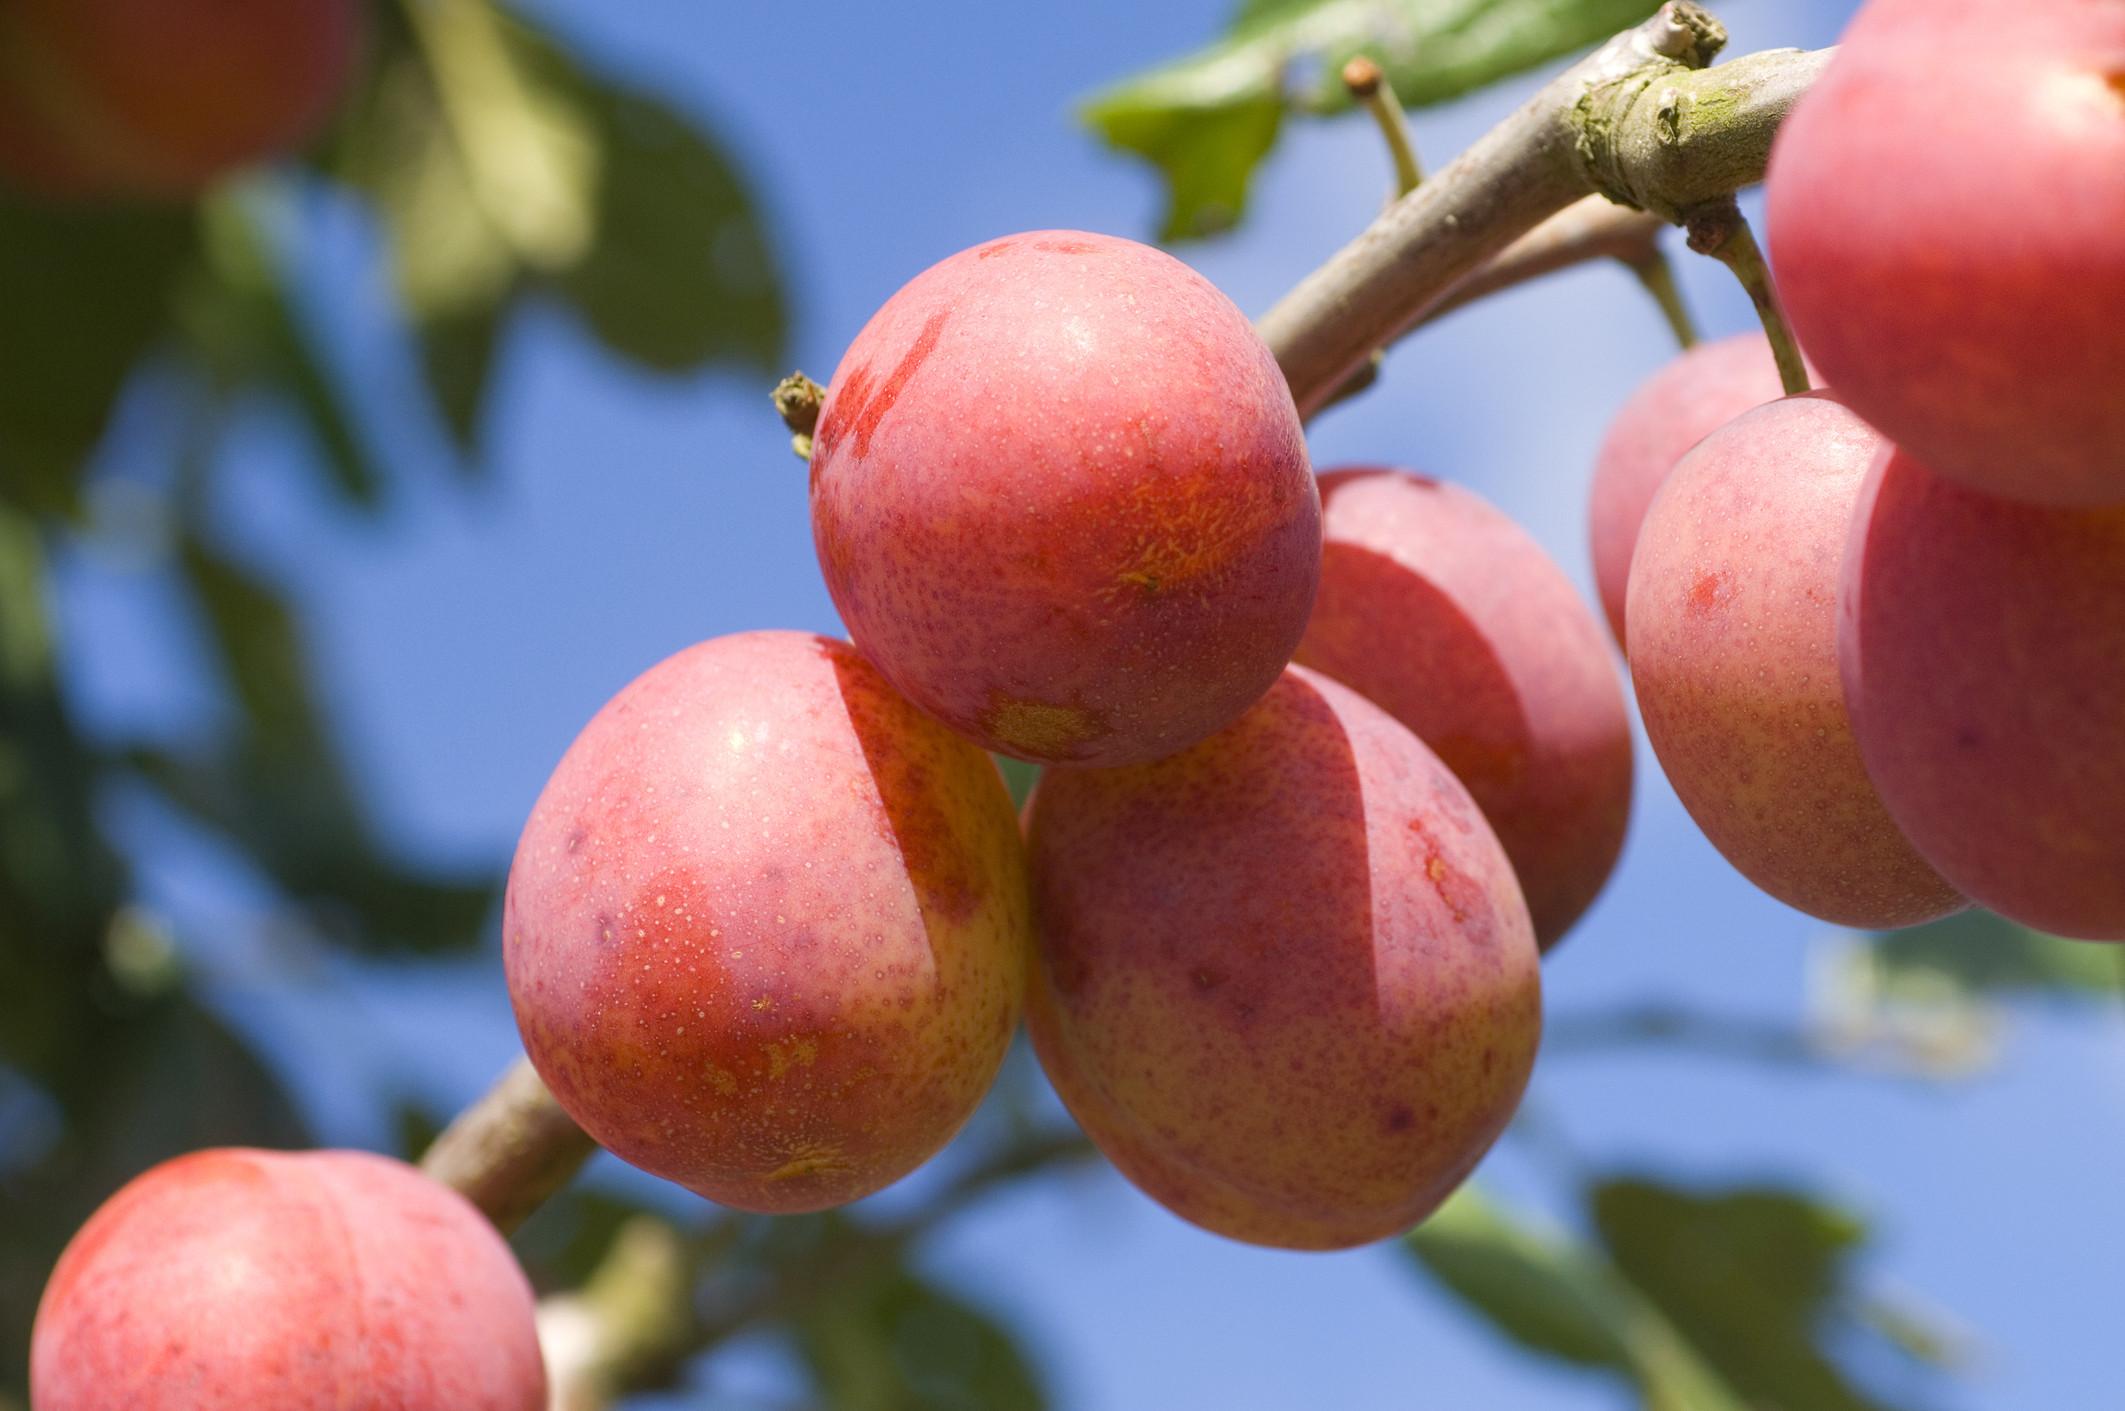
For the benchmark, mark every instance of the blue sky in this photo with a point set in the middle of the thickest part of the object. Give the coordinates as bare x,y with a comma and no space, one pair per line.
467,636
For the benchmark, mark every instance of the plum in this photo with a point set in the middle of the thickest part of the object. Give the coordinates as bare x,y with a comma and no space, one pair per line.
1287,981
237,1280
767,927
1982,643
160,98
1061,498
1954,266
1678,406
1733,617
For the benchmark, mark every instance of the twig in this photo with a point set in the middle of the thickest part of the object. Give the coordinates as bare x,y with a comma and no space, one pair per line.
511,1150
1634,121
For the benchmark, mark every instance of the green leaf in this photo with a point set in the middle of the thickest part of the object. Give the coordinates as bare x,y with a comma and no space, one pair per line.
1555,1295
88,295
1207,120
246,332
1758,1281
277,788
458,353
891,1341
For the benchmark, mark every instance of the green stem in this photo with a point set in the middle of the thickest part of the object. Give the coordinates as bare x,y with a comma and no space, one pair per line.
1717,228
1368,83
1658,276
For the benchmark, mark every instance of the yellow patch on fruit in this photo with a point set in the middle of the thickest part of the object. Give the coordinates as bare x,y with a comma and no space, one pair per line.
785,1054
816,1160
1050,731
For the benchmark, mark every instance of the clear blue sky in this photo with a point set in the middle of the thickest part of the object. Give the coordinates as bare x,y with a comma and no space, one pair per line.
467,636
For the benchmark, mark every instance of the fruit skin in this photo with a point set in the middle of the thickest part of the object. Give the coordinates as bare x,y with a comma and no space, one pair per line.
1440,610
160,98
1954,266
1287,980
237,1280
1982,644
1698,392
767,927
1733,611
1061,498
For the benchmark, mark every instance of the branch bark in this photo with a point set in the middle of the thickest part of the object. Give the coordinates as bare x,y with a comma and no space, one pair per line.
1635,121
511,1150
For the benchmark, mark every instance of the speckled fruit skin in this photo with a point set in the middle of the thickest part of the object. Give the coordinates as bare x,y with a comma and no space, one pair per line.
1693,396
239,1280
1287,980
1440,610
767,929
159,98
1955,266
1733,612
1061,498
1983,648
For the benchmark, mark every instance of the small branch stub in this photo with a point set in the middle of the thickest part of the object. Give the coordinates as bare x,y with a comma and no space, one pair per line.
797,400
1369,85
1717,228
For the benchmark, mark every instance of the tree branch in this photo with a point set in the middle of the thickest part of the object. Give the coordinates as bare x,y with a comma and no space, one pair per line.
511,1150
1634,121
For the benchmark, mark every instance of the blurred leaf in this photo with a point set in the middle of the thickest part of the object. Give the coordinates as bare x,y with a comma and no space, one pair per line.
1555,1295
1207,120
277,788
246,332
1757,1280
88,295
458,353
892,1342
502,168
681,272
1987,954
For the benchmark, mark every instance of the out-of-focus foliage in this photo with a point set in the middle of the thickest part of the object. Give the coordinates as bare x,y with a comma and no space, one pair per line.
1207,120
501,170
1719,1301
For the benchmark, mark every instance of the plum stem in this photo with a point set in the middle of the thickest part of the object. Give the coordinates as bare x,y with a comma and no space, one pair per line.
797,400
1718,228
1369,85
1658,276
510,1150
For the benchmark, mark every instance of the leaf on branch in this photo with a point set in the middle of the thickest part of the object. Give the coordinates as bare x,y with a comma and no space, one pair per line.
1207,120
1713,1302
1555,1295
1757,1280
891,1341
277,789
503,168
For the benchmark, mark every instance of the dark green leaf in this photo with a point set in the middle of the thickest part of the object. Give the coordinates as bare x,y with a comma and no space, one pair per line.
890,1341
679,271
88,295
458,354
1555,1295
1544,1293
1208,119
1757,1281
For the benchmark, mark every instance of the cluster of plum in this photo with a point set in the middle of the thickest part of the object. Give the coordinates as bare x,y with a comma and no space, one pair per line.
1329,761
1878,632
